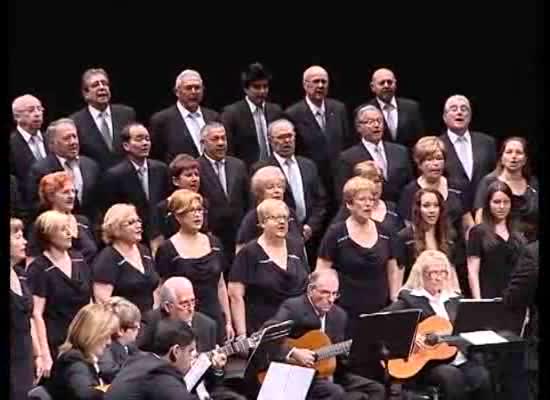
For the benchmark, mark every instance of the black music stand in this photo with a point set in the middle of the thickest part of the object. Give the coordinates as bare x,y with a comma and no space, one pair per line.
383,336
487,314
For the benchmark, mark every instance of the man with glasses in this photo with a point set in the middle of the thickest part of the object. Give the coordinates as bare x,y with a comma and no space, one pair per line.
316,310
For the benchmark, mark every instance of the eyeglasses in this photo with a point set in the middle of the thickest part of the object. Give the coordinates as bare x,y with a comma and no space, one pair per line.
30,109
370,122
328,293
135,327
187,303
278,218
196,210
433,274
133,222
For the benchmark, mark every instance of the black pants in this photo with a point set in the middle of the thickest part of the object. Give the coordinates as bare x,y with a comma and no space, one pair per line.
346,387
470,380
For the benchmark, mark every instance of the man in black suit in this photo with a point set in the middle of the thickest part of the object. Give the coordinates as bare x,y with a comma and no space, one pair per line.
177,302
176,129
27,143
246,120
403,120
99,123
470,155
65,156
322,128
224,182
393,158
137,180
316,310
307,194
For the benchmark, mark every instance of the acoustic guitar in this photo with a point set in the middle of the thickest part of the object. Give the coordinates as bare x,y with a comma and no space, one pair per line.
325,352
431,332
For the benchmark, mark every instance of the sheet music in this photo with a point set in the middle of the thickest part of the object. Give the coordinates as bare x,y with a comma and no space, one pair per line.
285,381
483,337
197,370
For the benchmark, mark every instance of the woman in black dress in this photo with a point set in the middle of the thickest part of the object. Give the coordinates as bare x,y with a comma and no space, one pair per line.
60,281
493,246
266,271
25,356
429,155
359,249
198,257
383,211
513,169
184,174
57,192
267,183
124,267
427,231
75,373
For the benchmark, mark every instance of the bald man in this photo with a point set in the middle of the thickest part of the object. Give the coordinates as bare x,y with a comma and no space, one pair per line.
27,142
322,127
176,129
100,123
177,302
403,120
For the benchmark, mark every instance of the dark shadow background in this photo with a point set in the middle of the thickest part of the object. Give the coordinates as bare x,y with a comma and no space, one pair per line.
492,58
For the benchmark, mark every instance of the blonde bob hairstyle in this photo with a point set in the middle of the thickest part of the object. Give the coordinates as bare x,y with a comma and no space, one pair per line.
264,177
425,259
48,223
183,201
92,324
115,216
355,185
426,147
369,170
269,206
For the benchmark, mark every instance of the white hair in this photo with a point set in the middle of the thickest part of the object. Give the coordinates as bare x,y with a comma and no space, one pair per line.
185,73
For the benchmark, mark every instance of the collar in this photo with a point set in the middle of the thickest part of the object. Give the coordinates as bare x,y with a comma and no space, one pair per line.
253,106
282,160
315,309
444,296
314,108
185,112
97,114
138,168
371,146
382,104
212,161
27,136
453,137
62,160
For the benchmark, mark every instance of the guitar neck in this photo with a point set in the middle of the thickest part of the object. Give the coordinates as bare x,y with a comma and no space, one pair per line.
232,348
333,350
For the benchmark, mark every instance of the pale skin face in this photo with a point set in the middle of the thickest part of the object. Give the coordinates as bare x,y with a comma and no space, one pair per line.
66,142
500,205
61,237
274,188
215,143
324,293
193,219
457,115
383,84
513,157
435,277
29,113
283,140
316,84
183,307
432,166
63,199
18,245
188,179
370,125
429,208
131,229
361,205
139,145
97,92
257,91
275,223
185,356
190,91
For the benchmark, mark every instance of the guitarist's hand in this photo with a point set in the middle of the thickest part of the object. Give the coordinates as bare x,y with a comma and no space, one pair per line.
304,357
420,342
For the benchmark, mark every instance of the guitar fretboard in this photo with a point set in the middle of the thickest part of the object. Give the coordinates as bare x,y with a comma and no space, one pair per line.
333,350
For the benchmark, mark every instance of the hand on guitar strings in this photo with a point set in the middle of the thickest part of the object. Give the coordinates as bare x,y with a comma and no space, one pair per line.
304,357
218,359
420,343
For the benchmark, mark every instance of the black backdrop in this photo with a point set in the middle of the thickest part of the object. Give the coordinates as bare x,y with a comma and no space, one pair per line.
492,58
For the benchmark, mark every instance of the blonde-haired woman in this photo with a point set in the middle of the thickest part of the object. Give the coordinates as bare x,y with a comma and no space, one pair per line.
24,346
359,249
432,287
125,267
266,271
60,280
75,374
198,257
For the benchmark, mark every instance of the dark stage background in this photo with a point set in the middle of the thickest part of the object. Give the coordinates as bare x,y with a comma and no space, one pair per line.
493,59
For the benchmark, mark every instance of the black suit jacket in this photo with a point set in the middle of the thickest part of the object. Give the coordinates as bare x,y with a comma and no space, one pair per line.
399,168
241,130
170,136
203,326
322,147
410,125
314,191
121,184
21,157
225,212
406,300
90,177
91,140
484,156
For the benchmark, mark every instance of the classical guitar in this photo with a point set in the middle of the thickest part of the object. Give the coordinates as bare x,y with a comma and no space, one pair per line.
325,351
431,333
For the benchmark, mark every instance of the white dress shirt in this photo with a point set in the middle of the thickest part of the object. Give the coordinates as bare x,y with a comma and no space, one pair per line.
194,124
39,140
463,150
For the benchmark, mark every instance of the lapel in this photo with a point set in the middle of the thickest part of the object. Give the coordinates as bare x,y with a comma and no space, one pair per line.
247,118
26,150
117,128
476,155
304,176
181,131
92,127
135,181
402,116
213,176
312,120
229,178
85,174
452,154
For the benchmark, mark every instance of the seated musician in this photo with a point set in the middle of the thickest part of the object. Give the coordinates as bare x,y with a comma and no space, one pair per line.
75,373
177,302
430,288
316,310
123,341
159,374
